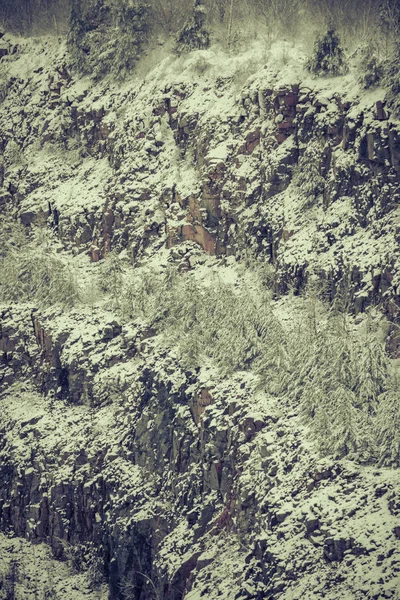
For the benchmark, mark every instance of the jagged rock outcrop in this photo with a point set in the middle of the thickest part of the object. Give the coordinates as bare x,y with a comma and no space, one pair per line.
187,483
196,488
269,169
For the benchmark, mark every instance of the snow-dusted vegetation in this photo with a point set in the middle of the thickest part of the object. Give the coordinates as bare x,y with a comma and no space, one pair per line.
199,300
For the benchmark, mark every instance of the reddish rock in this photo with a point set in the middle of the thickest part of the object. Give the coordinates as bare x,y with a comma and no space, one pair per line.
108,221
335,132
94,253
172,234
252,141
345,137
281,137
43,340
200,235
98,113
160,110
287,234
7,346
217,172
285,125
211,202
194,214
199,403
251,426
322,475
290,99
104,131
326,160
284,129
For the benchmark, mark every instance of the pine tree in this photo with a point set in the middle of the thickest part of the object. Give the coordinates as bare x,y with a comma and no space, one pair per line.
328,58
367,449
11,581
370,67
312,400
194,35
391,79
107,37
274,362
372,371
328,400
132,21
388,424
76,35
321,428
342,437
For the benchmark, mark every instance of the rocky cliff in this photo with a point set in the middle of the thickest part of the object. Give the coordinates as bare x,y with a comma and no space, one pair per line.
164,480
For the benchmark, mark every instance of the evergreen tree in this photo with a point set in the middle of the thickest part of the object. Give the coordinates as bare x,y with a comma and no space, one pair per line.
274,362
132,22
328,58
76,35
370,67
342,436
367,449
321,429
11,581
388,424
372,371
107,37
194,35
313,400
328,400
391,79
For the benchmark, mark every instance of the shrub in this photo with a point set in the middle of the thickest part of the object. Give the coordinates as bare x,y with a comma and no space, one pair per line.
85,558
200,320
328,57
32,270
230,326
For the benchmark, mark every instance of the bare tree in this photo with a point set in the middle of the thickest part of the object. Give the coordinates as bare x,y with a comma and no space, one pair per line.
169,15
280,16
34,16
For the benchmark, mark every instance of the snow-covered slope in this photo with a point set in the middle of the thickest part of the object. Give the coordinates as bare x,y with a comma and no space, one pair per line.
129,445
230,152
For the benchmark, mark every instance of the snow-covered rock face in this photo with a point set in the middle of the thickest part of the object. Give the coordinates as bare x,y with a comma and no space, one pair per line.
180,482
300,171
204,488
